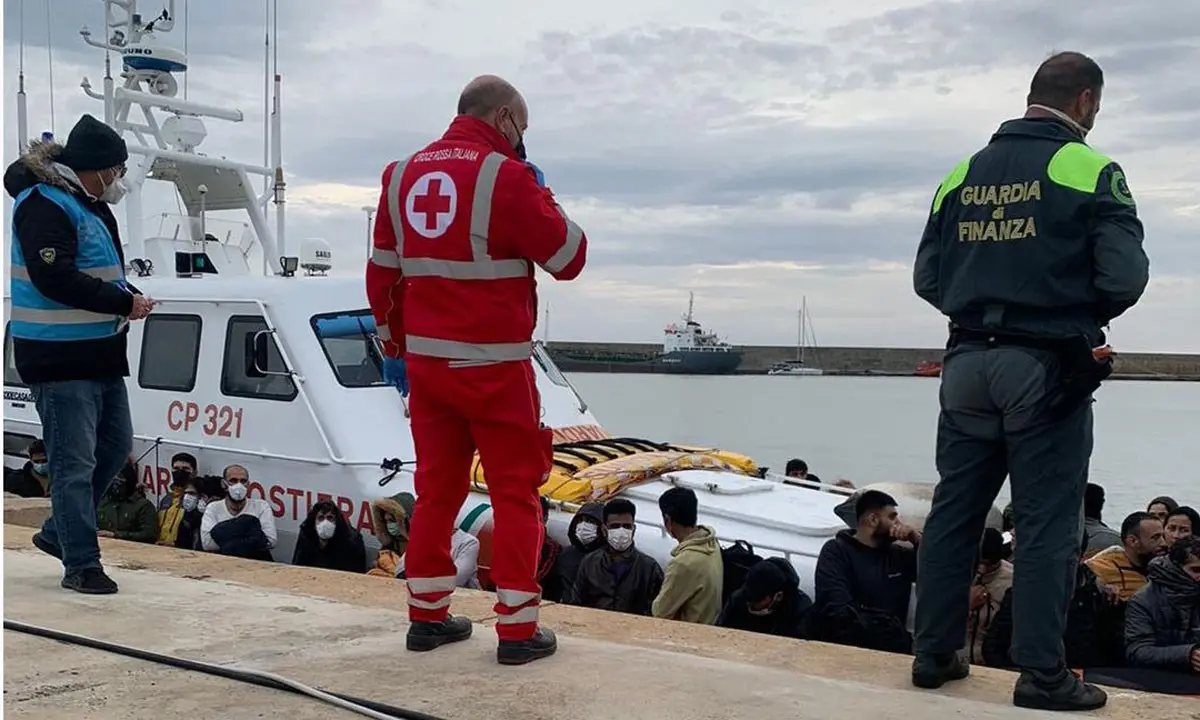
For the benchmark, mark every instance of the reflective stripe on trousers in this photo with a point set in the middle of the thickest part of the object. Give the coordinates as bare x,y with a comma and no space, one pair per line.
431,594
516,607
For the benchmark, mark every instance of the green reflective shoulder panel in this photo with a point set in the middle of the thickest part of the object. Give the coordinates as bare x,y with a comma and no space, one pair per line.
952,181
1077,166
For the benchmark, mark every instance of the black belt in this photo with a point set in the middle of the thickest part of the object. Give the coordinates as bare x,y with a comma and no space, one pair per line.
959,336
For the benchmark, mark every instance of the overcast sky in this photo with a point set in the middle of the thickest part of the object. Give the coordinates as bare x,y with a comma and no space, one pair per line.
746,152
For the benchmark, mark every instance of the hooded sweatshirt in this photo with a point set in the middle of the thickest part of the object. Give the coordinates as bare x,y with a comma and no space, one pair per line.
1162,620
691,589
572,555
789,617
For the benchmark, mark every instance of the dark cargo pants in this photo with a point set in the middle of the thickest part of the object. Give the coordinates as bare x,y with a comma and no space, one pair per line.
994,422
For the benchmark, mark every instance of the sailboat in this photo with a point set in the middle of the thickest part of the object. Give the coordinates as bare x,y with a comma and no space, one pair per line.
803,334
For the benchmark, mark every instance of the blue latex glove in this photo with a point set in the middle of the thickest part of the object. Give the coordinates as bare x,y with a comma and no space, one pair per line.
396,374
537,174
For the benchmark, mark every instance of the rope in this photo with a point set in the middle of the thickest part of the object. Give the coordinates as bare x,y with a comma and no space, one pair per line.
367,708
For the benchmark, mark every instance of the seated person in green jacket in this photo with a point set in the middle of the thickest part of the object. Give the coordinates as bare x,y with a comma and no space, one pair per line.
125,512
691,589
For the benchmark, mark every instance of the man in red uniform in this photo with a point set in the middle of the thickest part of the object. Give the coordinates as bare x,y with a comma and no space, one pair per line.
460,226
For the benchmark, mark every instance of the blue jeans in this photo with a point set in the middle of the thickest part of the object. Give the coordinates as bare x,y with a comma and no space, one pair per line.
88,433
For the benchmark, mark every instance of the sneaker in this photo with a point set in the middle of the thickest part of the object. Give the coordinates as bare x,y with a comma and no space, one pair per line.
1062,692
89,581
426,636
46,546
933,671
519,652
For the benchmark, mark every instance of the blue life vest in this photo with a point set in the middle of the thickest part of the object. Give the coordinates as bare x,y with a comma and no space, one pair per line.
37,317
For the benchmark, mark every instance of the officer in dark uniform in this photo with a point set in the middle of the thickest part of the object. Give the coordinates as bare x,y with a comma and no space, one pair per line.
1033,245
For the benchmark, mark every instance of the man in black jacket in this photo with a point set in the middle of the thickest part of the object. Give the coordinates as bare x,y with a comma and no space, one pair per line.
1033,245
71,307
864,580
769,602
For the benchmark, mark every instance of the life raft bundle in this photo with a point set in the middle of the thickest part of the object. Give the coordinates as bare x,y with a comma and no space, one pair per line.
597,470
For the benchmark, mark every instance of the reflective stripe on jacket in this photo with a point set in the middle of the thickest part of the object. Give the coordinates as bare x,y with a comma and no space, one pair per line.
460,226
37,317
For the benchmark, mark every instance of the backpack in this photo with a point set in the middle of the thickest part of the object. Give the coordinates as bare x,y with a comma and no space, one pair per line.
737,559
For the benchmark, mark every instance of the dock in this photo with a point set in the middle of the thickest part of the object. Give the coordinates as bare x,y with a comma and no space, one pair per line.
345,633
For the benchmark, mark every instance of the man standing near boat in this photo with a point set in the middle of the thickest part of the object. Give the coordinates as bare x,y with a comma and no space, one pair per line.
71,307
1032,246
459,228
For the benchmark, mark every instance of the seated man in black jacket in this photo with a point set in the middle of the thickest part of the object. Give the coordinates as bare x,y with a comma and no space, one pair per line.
864,581
769,602
618,577
326,540
1162,622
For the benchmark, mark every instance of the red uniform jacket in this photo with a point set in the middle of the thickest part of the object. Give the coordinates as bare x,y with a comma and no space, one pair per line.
459,228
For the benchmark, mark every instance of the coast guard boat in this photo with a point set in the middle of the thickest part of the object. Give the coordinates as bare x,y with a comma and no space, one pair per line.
277,367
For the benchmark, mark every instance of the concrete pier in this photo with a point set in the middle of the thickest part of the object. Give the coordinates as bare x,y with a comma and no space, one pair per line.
344,633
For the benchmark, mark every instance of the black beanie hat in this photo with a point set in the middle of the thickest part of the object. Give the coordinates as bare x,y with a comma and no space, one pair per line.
92,145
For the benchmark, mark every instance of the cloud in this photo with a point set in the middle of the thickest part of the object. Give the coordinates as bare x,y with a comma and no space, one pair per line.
747,151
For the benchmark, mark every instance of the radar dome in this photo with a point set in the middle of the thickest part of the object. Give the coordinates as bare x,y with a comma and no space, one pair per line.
315,256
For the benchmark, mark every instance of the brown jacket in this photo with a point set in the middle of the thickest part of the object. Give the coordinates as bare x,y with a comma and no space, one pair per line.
1113,568
996,584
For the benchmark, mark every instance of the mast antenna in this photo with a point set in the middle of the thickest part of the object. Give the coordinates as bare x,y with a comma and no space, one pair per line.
50,60
22,110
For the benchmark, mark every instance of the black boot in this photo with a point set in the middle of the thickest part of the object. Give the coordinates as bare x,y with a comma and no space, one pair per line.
89,581
425,636
1056,691
46,546
933,671
518,652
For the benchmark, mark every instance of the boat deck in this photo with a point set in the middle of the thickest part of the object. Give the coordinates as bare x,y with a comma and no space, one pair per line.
345,633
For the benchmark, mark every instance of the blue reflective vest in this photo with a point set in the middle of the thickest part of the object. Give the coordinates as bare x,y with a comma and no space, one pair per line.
37,317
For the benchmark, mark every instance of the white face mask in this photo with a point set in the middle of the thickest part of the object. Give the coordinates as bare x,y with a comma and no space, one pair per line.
201,505
621,539
190,502
114,191
325,529
237,492
587,533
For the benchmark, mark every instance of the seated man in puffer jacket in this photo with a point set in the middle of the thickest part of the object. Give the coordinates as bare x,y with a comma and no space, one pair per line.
1162,621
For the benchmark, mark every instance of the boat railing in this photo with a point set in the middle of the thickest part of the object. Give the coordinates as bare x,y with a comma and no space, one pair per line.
160,440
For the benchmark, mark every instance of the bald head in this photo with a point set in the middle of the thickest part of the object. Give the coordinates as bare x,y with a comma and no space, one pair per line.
495,101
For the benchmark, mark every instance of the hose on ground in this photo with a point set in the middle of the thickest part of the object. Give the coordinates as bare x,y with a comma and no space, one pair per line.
367,708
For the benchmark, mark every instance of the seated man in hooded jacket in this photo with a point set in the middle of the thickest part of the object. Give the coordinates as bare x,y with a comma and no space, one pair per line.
586,537
770,602
326,540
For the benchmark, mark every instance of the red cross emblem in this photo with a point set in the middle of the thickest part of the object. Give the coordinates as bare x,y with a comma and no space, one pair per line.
432,204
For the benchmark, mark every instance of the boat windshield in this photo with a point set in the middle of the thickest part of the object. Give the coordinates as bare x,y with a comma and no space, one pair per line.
348,339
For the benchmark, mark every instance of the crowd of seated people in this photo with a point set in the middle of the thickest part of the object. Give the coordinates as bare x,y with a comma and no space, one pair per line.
1134,613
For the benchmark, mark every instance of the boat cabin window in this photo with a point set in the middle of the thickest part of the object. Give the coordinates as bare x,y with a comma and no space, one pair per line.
348,339
236,381
10,364
170,352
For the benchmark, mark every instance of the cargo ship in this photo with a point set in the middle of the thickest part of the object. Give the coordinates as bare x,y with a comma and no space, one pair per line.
688,349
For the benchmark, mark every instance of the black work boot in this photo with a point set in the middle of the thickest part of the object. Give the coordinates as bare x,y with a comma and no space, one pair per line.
931,671
46,546
426,636
89,581
1056,691
518,652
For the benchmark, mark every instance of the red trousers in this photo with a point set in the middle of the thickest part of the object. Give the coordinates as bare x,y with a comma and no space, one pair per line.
454,411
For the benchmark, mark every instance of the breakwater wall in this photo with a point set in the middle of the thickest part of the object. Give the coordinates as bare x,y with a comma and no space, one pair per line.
639,358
